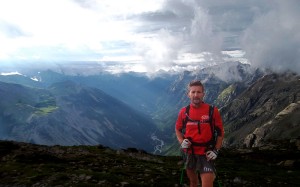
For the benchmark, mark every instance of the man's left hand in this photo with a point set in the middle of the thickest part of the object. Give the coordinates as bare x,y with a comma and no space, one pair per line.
212,155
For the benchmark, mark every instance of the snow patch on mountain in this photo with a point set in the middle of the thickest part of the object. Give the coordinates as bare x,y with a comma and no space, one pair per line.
10,73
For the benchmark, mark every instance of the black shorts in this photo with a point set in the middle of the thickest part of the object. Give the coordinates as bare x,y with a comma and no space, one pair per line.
199,163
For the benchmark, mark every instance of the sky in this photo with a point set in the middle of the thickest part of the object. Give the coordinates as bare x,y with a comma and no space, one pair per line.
151,35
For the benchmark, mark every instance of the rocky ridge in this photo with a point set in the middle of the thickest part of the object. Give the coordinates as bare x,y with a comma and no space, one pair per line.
266,110
286,122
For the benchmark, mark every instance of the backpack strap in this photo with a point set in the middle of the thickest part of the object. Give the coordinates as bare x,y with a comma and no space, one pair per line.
184,121
211,119
213,140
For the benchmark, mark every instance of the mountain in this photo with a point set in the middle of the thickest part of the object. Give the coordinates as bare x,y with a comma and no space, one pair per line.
134,89
71,114
267,110
219,91
153,94
253,103
258,109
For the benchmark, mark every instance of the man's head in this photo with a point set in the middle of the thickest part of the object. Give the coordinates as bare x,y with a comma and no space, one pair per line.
196,92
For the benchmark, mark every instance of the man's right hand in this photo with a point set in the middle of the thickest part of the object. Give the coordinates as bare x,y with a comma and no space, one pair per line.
185,144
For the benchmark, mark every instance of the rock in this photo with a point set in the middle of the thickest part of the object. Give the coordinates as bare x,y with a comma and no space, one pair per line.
249,140
124,184
296,142
287,163
237,180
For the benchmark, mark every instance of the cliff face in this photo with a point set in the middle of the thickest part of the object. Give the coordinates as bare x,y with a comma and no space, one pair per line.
285,125
267,110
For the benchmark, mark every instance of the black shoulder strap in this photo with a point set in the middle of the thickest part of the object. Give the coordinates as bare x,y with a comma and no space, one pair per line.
187,109
210,143
185,120
211,119
212,124
211,116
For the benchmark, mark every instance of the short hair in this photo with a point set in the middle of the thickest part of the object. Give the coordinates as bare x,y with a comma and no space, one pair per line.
195,83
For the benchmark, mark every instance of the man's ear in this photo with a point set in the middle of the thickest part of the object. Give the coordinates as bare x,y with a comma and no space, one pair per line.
188,95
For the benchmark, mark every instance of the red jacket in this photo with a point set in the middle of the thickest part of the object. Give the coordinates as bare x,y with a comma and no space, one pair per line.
204,133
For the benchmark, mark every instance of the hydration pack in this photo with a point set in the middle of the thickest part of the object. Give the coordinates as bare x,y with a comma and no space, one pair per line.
211,143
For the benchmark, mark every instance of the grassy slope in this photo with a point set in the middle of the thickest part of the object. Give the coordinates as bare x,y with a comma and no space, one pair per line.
27,164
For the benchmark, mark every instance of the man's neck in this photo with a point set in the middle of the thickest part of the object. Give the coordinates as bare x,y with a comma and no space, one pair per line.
196,105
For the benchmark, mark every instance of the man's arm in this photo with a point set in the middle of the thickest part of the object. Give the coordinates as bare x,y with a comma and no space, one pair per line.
178,127
179,136
219,142
220,129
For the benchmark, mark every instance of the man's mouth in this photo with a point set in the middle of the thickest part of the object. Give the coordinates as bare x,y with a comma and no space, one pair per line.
196,100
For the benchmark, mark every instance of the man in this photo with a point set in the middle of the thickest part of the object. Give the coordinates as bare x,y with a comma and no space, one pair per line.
193,131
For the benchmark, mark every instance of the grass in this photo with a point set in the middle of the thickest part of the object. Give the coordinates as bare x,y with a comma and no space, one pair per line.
258,168
45,110
31,165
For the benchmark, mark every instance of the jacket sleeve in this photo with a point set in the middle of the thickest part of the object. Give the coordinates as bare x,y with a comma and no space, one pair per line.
179,121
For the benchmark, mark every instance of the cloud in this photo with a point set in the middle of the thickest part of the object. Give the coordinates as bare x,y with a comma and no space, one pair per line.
66,29
202,36
185,29
158,51
273,40
152,35
51,29
10,30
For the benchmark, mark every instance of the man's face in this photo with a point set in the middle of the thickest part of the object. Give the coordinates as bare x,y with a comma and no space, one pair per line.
196,95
